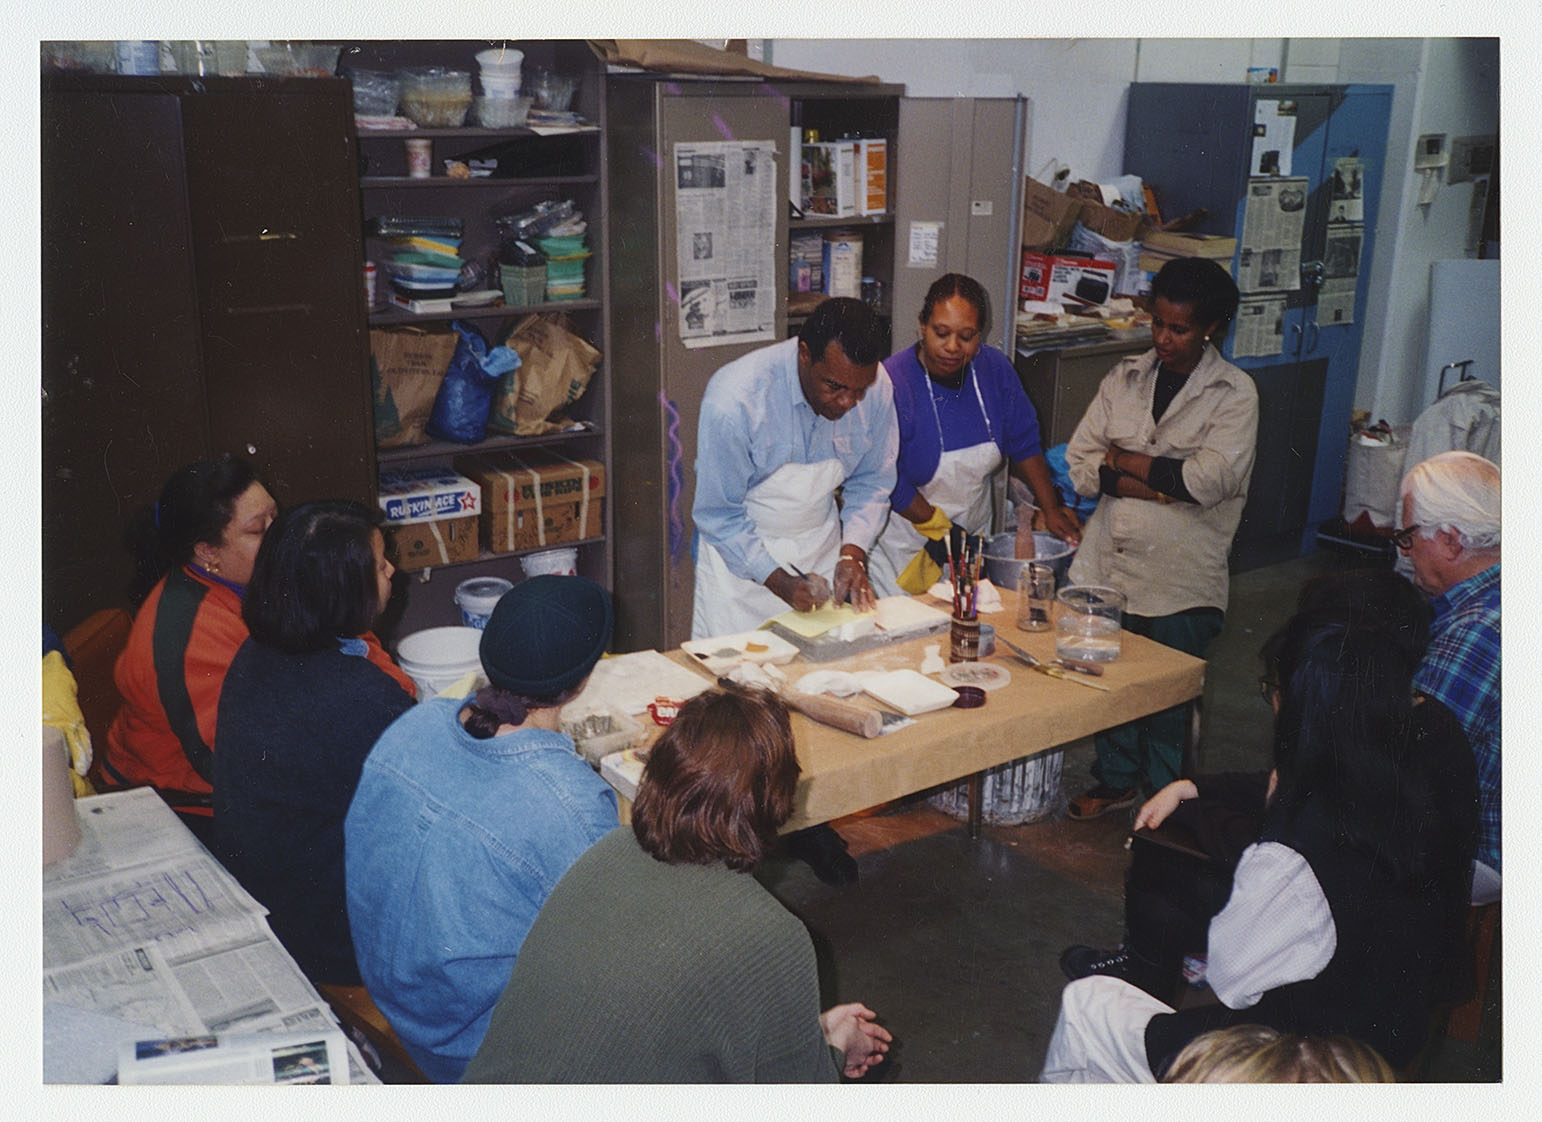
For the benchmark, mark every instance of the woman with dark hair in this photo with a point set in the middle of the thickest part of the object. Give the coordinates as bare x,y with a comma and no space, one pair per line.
1346,915
961,409
1167,445
194,551
304,701
659,959
487,803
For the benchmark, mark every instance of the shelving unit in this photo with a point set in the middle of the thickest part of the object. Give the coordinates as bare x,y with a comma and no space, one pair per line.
562,165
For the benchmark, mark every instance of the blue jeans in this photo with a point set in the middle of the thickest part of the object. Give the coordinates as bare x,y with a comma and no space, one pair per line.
1150,750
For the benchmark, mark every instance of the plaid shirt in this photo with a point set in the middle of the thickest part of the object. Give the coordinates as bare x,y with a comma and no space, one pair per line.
1461,669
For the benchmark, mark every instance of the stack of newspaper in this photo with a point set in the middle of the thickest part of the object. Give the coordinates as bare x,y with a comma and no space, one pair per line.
142,925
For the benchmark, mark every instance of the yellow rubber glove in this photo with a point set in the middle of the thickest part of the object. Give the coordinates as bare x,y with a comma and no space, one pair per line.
920,574
61,709
936,527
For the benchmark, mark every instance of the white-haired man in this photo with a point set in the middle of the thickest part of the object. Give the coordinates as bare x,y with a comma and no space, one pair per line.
1450,532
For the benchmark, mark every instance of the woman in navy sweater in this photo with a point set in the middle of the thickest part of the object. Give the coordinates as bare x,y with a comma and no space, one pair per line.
303,703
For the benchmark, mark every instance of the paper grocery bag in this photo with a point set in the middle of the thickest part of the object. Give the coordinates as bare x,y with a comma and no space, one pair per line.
556,364
406,367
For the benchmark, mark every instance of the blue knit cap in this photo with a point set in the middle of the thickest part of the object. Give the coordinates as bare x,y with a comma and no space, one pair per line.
546,634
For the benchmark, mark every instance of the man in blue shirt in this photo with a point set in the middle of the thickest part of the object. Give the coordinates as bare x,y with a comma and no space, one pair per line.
466,816
781,430
1450,516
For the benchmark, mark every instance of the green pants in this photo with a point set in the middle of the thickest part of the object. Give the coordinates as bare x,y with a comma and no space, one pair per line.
1149,750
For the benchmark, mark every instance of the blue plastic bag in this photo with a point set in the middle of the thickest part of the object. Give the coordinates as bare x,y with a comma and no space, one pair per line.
466,396
1061,474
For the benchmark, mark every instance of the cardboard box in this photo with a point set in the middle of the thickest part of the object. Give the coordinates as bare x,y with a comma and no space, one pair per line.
872,173
426,494
830,178
1052,278
1048,216
1115,225
431,516
443,541
536,499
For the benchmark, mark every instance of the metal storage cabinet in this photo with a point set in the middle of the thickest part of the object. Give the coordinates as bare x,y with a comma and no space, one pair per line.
201,294
1193,144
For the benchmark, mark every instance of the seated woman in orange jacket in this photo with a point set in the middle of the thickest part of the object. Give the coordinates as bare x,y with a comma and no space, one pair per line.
194,552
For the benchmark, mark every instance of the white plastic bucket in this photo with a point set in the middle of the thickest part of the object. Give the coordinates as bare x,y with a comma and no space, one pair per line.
557,562
439,657
477,597
1013,794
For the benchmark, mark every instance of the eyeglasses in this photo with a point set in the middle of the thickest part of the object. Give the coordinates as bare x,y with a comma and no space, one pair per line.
1403,539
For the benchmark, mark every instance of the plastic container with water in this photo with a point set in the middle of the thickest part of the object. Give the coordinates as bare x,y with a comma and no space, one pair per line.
477,597
439,657
1088,624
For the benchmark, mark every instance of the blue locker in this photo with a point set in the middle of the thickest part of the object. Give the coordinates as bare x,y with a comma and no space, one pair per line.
1194,145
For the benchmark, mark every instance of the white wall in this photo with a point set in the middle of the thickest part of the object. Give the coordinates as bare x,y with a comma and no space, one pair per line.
1078,92
1446,86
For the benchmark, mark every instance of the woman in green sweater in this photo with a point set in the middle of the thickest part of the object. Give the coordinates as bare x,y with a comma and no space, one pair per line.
658,958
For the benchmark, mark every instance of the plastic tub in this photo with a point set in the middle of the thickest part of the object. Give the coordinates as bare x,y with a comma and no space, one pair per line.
433,97
439,657
557,562
1002,568
501,112
477,597
376,93
500,87
553,92
501,61
523,285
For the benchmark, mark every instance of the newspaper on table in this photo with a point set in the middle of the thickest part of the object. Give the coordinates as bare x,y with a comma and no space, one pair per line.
1273,223
257,1057
143,924
725,219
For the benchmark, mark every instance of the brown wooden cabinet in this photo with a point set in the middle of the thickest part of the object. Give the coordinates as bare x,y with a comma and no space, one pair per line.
201,294
203,253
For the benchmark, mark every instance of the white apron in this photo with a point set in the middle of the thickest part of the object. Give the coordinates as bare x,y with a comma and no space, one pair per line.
959,487
795,516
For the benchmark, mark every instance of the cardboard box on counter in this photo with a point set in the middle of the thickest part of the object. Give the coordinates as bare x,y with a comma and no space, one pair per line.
1048,216
1052,278
1114,224
431,516
536,499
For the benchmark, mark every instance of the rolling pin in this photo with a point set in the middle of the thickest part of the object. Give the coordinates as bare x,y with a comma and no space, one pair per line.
836,713
831,711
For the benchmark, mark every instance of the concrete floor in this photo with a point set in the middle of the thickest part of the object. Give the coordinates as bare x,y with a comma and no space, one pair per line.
955,943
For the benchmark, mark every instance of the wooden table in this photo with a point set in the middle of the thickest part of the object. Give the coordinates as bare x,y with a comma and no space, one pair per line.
843,773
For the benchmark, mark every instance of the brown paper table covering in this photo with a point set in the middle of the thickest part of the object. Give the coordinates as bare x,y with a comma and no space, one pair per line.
1033,713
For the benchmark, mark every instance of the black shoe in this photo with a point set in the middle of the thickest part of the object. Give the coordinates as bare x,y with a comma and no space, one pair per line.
1158,980
1081,961
824,851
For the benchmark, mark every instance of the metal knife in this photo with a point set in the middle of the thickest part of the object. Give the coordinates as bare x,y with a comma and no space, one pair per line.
1051,671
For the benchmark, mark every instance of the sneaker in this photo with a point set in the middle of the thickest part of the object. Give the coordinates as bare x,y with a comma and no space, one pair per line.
1081,961
1100,801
